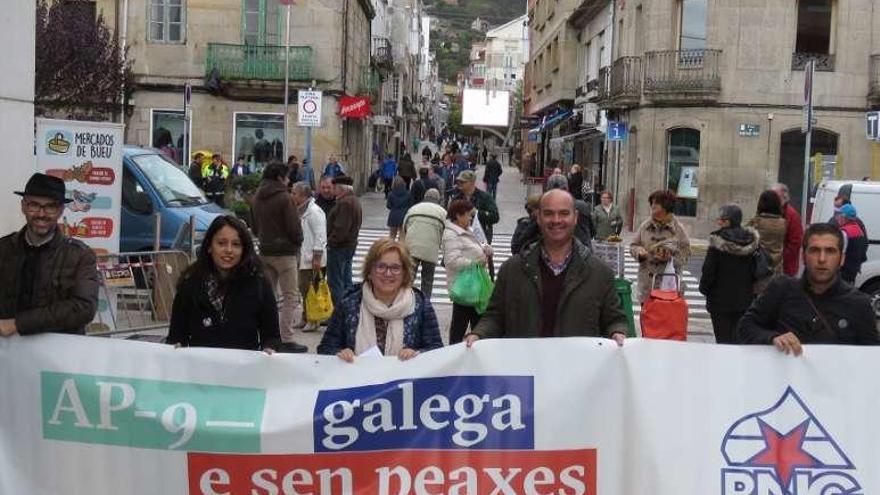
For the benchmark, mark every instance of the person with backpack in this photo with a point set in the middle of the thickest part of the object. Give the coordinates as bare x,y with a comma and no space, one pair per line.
855,247
727,275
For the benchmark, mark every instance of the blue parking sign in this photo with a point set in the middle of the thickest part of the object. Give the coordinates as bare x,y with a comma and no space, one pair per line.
617,131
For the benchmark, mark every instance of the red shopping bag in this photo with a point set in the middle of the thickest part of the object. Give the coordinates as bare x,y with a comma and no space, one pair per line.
664,314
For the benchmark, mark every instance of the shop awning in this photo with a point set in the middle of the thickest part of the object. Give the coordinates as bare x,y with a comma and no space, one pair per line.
552,121
582,134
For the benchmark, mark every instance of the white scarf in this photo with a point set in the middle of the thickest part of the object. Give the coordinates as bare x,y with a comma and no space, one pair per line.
404,305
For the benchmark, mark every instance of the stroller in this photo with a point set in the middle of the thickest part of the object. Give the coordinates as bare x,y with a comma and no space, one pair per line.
664,314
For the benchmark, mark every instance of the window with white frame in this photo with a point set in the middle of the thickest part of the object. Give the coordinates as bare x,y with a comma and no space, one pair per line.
167,21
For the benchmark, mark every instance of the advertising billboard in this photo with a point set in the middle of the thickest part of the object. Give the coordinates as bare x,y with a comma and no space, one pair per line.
485,107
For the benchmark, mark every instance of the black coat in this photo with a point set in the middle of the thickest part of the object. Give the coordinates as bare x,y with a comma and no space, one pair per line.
783,307
398,203
726,279
251,316
493,172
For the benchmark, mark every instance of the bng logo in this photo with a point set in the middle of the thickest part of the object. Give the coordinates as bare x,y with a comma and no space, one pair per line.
785,450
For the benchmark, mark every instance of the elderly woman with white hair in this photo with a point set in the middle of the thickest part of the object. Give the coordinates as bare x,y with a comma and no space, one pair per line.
312,258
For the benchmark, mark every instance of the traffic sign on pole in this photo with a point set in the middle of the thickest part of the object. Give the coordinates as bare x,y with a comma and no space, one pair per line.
309,111
872,126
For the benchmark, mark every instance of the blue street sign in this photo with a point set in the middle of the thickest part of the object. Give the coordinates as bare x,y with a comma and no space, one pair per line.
617,131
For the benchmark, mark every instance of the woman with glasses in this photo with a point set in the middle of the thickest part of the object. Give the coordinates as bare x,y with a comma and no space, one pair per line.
385,313
460,250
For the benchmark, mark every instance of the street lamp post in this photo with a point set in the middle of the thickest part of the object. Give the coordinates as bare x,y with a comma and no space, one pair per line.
287,80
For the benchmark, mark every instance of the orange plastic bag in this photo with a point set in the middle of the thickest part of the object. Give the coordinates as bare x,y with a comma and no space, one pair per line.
664,315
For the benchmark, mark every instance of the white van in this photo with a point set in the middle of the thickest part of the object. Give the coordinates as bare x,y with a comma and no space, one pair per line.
865,196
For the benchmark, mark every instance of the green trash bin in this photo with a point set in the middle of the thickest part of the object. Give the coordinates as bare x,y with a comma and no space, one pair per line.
624,291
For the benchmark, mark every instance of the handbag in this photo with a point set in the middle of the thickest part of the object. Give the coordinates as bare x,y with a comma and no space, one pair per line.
761,264
319,303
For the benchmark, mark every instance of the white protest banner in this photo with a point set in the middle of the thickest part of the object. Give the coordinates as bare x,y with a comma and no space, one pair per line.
97,416
88,157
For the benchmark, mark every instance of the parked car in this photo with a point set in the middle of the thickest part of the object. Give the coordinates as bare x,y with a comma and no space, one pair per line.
865,196
152,184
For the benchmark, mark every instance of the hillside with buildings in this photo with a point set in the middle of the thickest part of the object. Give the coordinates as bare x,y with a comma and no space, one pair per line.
461,22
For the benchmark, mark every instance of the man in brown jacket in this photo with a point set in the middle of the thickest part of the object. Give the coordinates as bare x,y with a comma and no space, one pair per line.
50,282
277,225
343,226
553,288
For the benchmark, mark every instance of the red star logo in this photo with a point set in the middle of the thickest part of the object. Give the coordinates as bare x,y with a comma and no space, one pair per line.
784,453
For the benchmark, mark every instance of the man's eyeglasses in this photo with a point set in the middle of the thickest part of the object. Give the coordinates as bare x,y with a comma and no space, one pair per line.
36,206
393,269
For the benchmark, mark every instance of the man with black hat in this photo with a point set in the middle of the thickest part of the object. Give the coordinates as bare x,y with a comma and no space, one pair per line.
50,282
343,227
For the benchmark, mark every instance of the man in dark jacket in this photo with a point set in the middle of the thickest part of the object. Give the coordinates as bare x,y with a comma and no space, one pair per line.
326,197
277,225
50,282
727,275
421,186
407,169
818,308
492,174
529,233
554,288
343,226
856,245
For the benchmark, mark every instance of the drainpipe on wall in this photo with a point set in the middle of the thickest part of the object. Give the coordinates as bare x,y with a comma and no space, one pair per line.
122,46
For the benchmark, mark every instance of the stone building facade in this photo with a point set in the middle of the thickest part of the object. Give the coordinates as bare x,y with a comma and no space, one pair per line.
232,54
712,93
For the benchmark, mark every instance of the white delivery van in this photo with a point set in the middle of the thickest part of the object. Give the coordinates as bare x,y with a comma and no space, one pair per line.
865,196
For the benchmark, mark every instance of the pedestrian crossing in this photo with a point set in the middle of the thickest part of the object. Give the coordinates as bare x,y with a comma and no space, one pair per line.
501,249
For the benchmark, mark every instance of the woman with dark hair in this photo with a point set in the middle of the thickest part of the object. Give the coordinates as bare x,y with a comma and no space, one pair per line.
460,250
659,239
770,224
222,299
385,312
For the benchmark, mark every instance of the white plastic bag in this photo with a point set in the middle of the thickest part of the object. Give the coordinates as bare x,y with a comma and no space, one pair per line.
668,281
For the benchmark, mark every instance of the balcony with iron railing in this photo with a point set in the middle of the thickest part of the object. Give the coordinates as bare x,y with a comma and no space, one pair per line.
824,61
258,62
874,81
381,52
626,82
682,76
604,87
370,83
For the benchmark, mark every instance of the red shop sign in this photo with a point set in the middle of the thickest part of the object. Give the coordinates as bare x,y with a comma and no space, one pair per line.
354,107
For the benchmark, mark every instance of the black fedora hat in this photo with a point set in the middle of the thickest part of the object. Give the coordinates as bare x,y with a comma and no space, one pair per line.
45,186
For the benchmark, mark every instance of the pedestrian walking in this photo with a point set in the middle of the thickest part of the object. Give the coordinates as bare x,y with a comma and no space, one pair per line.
526,225
385,312
492,174
487,209
214,177
277,225
293,166
576,182
389,170
486,154
407,169
461,249
343,226
333,169
727,275
312,258
818,308
659,240
326,197
50,281
423,234
554,288
195,171
422,184
770,224
794,232
397,202
606,216
240,169
855,250
223,299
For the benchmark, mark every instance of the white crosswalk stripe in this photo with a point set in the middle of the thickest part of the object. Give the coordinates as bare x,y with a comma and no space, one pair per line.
501,247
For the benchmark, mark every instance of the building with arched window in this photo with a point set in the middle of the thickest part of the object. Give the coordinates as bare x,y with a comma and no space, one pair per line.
712,93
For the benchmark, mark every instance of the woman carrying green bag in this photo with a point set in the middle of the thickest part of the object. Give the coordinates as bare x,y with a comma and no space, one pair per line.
461,250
